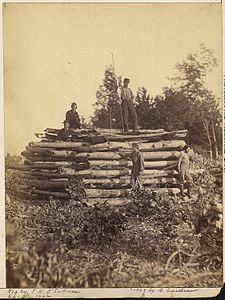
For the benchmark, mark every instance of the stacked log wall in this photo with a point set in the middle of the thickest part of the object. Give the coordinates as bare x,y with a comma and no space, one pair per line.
101,160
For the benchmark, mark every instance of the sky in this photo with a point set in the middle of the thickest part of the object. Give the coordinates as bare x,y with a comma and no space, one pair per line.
55,54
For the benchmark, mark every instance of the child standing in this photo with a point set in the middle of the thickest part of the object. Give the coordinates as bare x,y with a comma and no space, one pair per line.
137,167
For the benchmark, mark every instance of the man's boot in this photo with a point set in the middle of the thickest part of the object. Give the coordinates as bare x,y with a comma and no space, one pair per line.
182,190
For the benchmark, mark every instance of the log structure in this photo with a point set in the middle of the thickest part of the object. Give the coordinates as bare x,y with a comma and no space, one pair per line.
100,160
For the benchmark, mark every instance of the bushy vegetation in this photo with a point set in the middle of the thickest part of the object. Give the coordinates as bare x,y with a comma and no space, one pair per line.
155,240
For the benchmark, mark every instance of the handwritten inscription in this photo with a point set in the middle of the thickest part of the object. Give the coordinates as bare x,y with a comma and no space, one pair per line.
39,293
51,293
163,290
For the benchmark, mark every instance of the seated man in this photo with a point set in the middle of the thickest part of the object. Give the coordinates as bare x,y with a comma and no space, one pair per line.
72,117
65,133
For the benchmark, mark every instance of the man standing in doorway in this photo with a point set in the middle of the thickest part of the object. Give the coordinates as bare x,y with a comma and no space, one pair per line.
127,104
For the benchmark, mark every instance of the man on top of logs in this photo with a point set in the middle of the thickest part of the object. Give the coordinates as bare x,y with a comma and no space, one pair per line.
72,117
65,134
127,104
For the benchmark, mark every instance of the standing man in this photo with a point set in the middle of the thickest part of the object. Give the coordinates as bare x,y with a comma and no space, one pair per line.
72,117
127,104
137,159
184,172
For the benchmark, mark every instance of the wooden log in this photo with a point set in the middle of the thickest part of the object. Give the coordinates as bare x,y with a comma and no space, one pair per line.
48,174
49,165
74,131
47,184
109,201
94,173
118,131
160,155
43,159
148,137
57,164
58,144
99,155
125,163
47,140
39,150
60,195
98,193
52,130
158,173
28,195
124,183
148,156
161,145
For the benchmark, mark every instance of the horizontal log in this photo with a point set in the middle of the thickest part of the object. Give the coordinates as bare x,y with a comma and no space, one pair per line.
47,184
47,140
48,164
150,137
57,164
48,174
126,163
108,201
150,173
148,156
79,157
43,159
28,195
161,145
121,183
98,193
94,173
60,195
76,131
99,155
58,144
118,131
39,150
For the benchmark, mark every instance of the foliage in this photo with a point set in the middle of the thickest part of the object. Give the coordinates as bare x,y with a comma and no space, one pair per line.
13,178
13,160
103,224
107,107
193,104
154,240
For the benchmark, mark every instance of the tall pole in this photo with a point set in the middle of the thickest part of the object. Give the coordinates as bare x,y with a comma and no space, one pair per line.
121,113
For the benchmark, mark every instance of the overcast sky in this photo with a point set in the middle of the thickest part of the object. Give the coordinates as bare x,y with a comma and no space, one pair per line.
57,53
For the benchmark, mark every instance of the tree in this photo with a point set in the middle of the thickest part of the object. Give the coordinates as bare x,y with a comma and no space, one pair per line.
107,112
143,107
189,102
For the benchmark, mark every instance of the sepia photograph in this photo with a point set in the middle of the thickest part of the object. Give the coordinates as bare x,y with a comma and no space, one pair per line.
113,145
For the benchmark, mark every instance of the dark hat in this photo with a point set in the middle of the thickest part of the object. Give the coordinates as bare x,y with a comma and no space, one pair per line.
73,103
126,79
